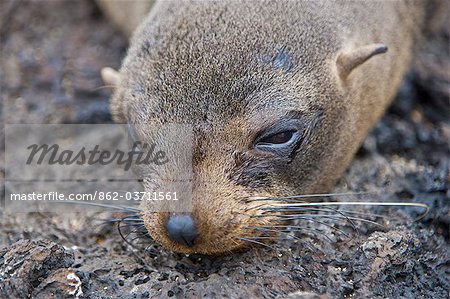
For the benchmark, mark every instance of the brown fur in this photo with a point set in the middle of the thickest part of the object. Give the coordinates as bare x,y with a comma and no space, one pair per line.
231,68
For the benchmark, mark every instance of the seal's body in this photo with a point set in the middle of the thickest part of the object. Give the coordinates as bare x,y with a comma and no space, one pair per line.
280,95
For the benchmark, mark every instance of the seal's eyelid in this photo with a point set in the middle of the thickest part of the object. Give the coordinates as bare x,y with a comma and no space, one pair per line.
280,138
284,140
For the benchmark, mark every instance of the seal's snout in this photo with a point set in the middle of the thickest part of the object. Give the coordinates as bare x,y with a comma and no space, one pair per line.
182,229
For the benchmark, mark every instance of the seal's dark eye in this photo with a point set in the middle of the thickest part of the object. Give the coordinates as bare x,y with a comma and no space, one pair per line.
279,138
284,140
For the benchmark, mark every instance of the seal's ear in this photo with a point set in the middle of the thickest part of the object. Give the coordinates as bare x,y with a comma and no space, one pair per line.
348,61
110,77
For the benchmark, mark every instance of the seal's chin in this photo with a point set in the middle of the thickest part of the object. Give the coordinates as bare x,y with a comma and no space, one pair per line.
205,248
226,244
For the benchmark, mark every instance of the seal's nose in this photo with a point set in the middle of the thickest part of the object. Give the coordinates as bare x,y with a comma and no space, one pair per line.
181,229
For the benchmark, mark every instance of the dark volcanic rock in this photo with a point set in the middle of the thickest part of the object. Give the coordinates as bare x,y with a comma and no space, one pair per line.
51,56
27,265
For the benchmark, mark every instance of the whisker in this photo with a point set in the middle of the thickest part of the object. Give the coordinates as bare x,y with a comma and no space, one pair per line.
320,222
139,233
256,242
270,238
122,236
141,237
125,220
300,209
121,208
131,225
255,198
286,233
305,216
131,218
331,210
361,213
355,203
103,87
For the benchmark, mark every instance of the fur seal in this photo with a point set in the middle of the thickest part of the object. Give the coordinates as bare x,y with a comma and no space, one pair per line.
281,94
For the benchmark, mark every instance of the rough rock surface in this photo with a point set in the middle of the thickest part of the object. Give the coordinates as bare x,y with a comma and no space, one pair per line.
25,264
51,54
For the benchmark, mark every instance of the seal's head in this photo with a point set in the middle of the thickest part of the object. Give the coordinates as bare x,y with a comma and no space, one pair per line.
265,105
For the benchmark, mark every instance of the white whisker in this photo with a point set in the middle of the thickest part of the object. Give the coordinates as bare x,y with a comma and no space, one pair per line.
355,203
256,198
